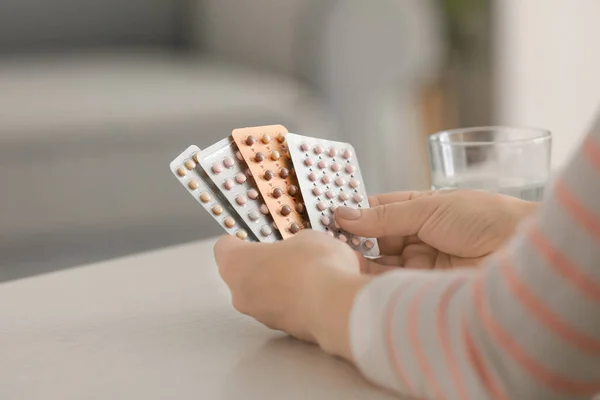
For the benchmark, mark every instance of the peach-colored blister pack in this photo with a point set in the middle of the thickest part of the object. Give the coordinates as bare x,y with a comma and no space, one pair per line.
225,166
187,170
329,176
263,149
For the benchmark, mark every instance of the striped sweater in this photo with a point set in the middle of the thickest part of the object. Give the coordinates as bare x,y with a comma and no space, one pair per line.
526,325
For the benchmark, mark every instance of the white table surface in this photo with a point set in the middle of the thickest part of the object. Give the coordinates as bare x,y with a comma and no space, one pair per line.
158,325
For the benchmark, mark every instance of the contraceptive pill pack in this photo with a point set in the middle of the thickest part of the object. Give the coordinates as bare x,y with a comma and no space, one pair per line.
265,184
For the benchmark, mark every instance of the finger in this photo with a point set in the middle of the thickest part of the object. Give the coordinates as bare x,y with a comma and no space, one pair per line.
229,250
390,261
397,197
372,267
393,219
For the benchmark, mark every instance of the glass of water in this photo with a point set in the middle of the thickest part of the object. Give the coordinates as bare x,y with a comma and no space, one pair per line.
512,161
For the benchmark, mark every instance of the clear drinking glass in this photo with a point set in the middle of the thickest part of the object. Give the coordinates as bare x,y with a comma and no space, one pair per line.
512,161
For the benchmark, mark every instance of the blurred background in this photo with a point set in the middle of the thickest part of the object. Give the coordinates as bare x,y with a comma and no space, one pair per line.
98,96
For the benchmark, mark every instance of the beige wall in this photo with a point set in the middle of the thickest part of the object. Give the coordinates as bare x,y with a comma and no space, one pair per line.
548,67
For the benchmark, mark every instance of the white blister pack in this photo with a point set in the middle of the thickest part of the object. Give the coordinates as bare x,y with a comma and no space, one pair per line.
329,176
225,166
187,170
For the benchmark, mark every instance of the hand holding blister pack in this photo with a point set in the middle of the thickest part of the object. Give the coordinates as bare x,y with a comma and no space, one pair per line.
265,184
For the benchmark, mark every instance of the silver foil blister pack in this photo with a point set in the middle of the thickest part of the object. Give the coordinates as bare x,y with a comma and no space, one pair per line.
226,168
187,170
329,176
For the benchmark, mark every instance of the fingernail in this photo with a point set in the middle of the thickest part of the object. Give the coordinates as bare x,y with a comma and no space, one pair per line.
348,213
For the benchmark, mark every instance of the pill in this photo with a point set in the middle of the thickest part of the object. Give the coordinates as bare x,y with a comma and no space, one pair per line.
205,197
240,178
196,157
275,155
229,222
294,227
190,164
248,172
342,238
229,184
259,157
349,168
322,164
330,233
292,190
216,168
285,210
325,220
264,209
330,194
335,167
309,162
347,154
266,230
253,215
344,196
333,208
318,149
313,176
304,147
275,226
357,198
355,241
321,206
241,234
281,137
217,209
317,191
354,183
250,140
277,193
299,208
194,184
339,181
241,199
284,173
369,244
306,224
268,175
239,156
228,162
325,179
332,152
181,171
253,194
265,138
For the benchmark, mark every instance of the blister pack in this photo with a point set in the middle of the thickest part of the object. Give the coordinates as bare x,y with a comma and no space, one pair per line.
187,170
329,176
263,148
225,166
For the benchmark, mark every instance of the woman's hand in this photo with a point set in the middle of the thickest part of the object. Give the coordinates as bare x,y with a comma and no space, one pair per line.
304,286
438,229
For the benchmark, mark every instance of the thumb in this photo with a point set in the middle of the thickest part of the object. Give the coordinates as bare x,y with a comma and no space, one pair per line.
402,218
229,247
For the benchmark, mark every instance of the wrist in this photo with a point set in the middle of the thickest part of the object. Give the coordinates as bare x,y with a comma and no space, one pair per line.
333,299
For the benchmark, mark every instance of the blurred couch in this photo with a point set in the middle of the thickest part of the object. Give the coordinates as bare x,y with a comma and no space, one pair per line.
97,97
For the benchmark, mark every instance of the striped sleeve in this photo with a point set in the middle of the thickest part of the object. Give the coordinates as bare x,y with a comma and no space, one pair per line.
526,325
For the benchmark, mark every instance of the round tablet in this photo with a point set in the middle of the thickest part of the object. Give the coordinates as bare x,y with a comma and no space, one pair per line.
306,224
253,215
333,208
322,164
284,173
253,194
318,149
190,164
259,157
281,137
228,162
194,184
304,147
250,140
181,171
217,209
229,184
268,175
354,183
349,168
317,191
309,162
325,220
205,197
292,190
248,172
342,238
335,167
285,210
332,152
241,234
239,156
241,199
344,196
347,154
339,181
369,244
275,155
216,168
325,179
277,193
240,178
321,206
313,176
299,208
266,230
355,241
330,194
264,209
196,158
294,227
229,222
357,198
265,138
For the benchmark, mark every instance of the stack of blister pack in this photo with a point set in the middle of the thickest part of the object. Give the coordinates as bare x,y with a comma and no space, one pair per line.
265,184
